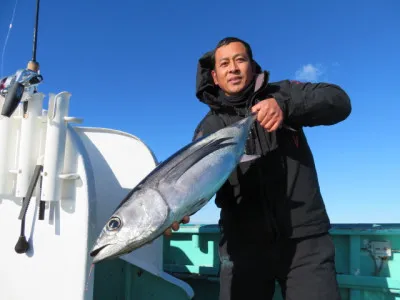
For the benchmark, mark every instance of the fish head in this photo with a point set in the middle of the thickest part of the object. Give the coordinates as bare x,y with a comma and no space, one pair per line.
134,223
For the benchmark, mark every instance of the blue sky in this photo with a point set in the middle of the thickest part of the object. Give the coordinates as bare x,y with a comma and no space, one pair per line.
131,66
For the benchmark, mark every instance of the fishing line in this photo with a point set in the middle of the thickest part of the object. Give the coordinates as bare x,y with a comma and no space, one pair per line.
7,36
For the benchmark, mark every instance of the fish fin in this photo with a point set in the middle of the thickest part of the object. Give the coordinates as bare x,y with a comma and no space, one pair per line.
246,157
180,168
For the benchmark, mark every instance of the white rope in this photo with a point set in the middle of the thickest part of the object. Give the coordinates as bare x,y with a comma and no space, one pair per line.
8,34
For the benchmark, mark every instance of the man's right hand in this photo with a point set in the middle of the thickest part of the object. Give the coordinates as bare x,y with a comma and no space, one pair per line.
175,226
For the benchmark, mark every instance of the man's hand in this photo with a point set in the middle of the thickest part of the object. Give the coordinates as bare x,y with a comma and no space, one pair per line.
269,114
175,226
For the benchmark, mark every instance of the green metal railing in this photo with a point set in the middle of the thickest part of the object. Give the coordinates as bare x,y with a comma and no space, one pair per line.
191,255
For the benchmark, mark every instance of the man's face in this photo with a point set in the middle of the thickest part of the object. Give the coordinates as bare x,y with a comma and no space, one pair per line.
233,68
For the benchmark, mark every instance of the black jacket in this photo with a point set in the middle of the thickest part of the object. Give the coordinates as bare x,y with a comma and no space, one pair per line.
281,188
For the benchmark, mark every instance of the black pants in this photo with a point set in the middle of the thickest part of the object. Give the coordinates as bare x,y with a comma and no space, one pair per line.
304,268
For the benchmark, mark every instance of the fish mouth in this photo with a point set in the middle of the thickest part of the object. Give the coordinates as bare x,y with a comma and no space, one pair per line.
106,252
95,253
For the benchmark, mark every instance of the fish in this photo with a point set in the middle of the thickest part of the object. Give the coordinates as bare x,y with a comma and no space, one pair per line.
177,187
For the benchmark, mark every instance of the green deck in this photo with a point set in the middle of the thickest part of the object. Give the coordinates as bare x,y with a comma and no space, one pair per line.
191,255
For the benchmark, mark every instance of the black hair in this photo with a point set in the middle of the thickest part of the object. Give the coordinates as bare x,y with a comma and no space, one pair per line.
227,41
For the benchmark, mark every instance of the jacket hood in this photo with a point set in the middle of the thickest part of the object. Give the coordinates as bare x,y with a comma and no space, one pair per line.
207,91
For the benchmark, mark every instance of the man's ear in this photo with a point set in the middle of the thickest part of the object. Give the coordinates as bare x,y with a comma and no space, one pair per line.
214,76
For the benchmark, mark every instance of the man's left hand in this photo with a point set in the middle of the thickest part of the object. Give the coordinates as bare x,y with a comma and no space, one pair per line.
269,114
175,226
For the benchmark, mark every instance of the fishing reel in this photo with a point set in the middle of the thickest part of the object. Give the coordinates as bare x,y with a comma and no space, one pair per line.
13,88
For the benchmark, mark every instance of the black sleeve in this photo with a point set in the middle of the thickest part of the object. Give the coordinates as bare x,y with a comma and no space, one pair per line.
208,125
313,104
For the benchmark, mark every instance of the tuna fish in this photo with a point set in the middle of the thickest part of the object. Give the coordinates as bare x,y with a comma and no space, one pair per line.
178,187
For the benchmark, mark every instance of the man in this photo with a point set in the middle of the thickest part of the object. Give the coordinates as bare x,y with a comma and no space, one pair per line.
274,225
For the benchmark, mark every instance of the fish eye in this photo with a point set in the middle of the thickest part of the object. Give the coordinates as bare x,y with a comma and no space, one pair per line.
114,223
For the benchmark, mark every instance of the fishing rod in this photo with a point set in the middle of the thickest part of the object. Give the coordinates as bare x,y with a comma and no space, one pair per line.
34,64
24,81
